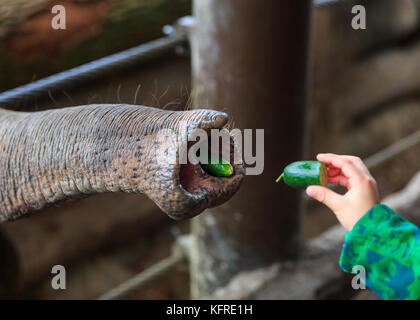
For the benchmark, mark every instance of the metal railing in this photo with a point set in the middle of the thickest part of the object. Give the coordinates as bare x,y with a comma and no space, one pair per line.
103,66
92,70
326,3
179,253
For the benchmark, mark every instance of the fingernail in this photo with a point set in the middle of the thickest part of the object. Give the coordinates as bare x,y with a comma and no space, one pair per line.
311,192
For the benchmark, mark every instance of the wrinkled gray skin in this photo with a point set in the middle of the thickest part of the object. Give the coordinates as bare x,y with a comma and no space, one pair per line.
63,154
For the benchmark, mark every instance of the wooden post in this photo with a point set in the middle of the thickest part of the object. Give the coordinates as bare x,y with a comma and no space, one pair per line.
250,59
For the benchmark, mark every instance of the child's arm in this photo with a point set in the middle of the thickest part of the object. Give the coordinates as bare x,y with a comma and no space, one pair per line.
385,244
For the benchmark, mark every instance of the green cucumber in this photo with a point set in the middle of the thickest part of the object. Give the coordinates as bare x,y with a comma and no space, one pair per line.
218,167
302,174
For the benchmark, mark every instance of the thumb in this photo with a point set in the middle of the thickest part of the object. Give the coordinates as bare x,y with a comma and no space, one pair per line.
325,195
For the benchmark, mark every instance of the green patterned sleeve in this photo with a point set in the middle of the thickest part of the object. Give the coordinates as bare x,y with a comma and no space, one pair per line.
388,247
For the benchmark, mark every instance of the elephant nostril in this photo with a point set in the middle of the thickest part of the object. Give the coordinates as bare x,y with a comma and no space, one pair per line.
216,178
189,177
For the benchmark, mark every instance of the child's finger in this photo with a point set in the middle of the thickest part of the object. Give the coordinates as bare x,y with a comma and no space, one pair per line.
347,167
358,162
326,158
341,180
326,196
332,172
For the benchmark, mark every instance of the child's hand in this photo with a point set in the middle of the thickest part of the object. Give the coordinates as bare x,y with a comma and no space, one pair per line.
351,173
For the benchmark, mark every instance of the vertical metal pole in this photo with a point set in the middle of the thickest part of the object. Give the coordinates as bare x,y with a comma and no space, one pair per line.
250,59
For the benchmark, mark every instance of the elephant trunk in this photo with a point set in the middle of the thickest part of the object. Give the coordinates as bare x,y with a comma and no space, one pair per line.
62,154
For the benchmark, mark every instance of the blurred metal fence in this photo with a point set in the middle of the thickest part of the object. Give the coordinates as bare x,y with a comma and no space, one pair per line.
103,66
92,70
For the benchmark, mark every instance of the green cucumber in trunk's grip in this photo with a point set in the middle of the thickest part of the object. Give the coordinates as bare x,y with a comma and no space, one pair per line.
302,174
218,167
